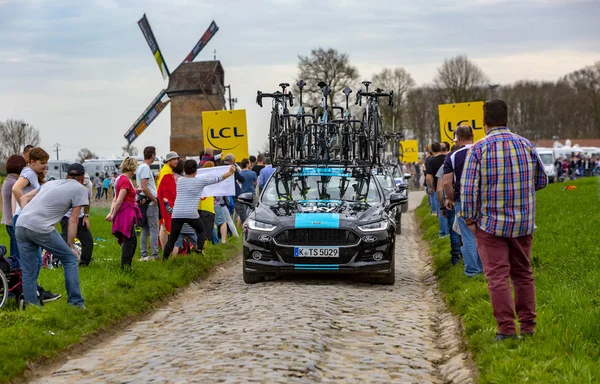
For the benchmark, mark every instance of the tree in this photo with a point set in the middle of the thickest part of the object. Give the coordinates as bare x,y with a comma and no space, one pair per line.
422,116
329,66
85,154
460,80
129,150
586,82
15,135
400,82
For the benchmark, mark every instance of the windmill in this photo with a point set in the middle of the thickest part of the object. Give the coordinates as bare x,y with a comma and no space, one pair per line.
162,99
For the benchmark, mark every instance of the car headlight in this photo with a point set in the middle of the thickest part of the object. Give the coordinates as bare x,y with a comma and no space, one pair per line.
378,226
259,225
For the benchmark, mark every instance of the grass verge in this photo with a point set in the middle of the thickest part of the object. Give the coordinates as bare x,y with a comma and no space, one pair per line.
566,263
110,296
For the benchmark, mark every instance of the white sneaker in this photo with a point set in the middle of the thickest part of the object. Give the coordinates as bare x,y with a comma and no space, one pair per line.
146,258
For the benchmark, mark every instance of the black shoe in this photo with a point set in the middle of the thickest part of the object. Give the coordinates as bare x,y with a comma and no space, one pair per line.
47,296
501,337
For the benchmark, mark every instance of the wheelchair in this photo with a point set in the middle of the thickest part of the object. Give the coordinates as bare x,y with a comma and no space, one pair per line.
11,283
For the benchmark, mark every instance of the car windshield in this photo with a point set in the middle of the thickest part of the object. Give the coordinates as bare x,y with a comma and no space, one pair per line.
546,158
321,184
386,181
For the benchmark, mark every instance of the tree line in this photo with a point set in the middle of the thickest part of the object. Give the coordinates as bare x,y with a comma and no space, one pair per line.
568,108
15,134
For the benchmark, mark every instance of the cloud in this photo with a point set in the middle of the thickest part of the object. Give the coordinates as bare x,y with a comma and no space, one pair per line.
82,72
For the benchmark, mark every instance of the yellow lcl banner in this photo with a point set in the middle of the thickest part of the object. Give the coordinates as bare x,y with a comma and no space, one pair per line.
410,151
227,131
453,115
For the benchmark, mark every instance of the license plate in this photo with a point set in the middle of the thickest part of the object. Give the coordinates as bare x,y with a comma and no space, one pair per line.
316,252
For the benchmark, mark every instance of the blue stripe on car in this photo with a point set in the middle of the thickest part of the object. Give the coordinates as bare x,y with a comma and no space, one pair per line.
317,267
317,220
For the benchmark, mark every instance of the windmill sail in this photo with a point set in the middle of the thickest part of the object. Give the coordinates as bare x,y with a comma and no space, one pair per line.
153,44
154,109
210,32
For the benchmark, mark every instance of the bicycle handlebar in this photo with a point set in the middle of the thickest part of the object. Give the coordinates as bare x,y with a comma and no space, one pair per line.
276,95
360,94
342,121
321,125
340,108
298,115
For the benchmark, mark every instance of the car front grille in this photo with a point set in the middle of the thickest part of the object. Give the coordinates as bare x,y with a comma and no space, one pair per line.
314,236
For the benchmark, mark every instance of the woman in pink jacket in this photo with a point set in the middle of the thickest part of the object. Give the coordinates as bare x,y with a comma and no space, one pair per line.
124,212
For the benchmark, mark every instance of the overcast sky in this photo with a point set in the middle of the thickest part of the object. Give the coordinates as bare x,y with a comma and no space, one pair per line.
81,71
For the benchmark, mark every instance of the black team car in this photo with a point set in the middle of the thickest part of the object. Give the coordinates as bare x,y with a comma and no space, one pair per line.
314,219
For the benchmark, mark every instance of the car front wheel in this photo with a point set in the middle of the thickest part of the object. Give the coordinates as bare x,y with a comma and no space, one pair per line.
251,277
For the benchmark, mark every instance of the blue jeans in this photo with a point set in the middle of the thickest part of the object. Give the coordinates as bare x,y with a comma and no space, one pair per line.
29,244
444,230
454,237
470,255
16,254
14,249
215,238
429,198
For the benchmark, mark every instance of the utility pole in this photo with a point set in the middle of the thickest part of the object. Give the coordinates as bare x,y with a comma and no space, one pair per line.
492,88
57,149
231,101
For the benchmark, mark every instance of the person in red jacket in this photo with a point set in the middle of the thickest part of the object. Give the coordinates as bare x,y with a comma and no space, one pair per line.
167,189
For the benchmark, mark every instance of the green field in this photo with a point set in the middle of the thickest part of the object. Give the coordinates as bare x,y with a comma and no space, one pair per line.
110,296
566,261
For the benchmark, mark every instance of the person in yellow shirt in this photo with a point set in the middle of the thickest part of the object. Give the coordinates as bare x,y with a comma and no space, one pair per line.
206,209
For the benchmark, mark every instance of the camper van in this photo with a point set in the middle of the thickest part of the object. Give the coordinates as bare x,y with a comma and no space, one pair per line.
547,156
100,166
57,169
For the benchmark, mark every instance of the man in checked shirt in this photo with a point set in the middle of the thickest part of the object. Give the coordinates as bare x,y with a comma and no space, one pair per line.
501,174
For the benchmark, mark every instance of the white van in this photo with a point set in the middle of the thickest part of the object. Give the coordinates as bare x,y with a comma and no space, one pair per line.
57,169
547,156
100,166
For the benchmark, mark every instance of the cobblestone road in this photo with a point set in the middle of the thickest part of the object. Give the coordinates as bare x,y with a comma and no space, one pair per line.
288,331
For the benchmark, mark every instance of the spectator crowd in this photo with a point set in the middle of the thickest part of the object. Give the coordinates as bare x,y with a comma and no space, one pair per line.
169,211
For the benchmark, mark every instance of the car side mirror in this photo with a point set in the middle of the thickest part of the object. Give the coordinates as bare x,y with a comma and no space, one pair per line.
397,199
246,199
407,176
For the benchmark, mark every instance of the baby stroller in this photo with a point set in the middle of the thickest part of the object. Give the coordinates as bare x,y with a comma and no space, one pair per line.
10,281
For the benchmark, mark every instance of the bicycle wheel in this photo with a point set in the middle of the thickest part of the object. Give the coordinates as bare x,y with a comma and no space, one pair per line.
373,143
346,151
400,156
3,289
284,138
274,136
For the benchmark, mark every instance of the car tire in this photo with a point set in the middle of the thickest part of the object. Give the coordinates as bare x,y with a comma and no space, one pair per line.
404,208
399,222
387,279
251,277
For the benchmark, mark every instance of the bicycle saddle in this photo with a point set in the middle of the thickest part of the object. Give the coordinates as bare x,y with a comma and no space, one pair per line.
347,91
284,85
379,90
322,84
366,83
259,98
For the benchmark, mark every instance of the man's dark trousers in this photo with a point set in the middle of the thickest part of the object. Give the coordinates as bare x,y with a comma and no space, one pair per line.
85,237
504,258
